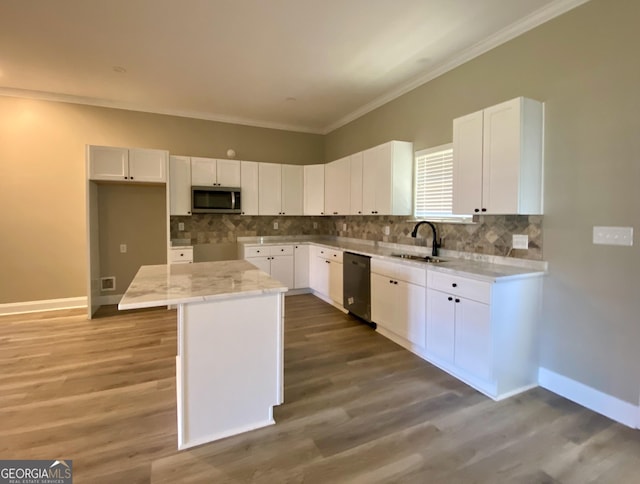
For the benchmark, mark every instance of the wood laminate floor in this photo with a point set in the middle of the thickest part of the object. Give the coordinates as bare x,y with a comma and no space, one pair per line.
358,408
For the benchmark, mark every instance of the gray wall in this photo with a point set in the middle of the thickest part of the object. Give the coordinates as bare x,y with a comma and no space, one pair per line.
42,180
584,65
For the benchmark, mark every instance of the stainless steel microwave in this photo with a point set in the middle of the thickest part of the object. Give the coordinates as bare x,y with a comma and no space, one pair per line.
215,200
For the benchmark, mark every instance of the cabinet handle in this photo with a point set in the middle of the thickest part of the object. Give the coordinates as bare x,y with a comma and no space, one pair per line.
321,213
454,285
328,262
126,177
484,209
476,210
390,281
335,213
359,211
457,300
395,282
189,213
281,250
449,298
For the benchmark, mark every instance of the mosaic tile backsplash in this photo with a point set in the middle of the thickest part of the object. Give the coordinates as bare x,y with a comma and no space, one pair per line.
489,234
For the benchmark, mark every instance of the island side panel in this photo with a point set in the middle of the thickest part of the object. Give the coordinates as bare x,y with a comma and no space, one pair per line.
229,365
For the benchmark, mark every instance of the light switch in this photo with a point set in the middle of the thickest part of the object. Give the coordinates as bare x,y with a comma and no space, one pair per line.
123,248
613,236
344,227
387,230
275,225
181,226
520,241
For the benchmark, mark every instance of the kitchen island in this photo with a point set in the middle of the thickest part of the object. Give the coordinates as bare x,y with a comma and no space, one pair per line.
229,364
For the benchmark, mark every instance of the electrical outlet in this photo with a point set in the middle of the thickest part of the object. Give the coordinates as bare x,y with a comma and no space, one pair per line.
613,236
344,227
181,226
520,241
123,248
387,230
275,225
315,225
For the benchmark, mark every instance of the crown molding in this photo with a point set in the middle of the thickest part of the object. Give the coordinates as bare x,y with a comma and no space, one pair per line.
523,25
103,103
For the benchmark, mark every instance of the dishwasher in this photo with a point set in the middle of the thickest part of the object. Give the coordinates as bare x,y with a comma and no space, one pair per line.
357,286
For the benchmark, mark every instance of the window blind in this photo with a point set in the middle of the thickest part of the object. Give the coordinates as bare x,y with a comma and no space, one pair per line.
434,182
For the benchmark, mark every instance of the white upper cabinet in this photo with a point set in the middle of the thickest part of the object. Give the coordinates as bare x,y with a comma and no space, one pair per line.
148,165
498,159
179,185
269,189
387,181
292,189
337,185
122,164
249,187
314,190
355,184
213,172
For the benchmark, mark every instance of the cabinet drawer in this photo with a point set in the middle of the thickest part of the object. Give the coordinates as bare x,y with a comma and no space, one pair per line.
414,275
281,250
180,254
255,251
460,286
330,254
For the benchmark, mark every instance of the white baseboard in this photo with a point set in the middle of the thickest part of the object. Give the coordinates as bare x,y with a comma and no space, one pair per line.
624,412
43,305
110,299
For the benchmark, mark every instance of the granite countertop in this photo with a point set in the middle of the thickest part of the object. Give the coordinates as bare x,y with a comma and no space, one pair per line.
162,285
478,266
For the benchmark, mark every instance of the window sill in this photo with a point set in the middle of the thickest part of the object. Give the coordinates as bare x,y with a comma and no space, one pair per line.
445,220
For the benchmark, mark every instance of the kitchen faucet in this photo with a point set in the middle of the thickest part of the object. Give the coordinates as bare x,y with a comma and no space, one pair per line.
414,234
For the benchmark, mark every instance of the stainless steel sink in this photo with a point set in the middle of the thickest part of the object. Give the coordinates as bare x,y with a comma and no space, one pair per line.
422,258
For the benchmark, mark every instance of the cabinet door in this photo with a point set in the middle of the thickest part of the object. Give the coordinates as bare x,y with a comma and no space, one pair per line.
501,157
179,185
467,163
314,189
203,172
337,186
383,301
301,266
249,187
355,205
473,349
148,165
410,312
228,173
282,269
319,276
269,189
108,163
292,189
263,263
336,286
440,325
376,180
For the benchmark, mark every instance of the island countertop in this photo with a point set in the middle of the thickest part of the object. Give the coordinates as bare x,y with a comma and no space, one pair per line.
167,284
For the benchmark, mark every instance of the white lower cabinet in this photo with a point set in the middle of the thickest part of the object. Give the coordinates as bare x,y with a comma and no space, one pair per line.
484,332
325,273
275,260
398,299
300,266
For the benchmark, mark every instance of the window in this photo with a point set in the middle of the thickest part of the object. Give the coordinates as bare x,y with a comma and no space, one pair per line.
434,183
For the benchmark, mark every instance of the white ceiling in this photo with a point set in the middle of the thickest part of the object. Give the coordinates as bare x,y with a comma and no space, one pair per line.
305,65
